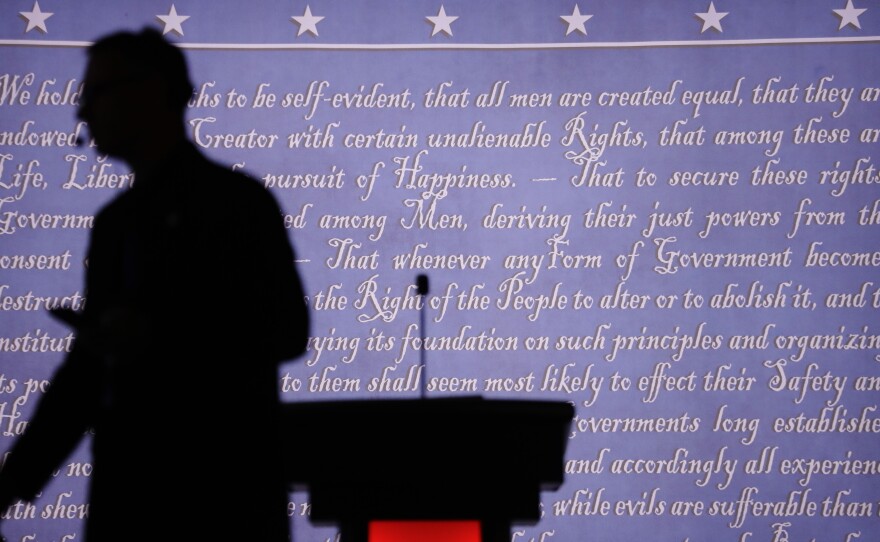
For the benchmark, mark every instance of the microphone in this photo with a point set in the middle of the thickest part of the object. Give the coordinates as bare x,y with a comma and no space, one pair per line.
422,290
422,284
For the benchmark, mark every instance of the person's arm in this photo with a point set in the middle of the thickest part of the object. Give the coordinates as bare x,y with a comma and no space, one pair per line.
282,289
67,409
62,417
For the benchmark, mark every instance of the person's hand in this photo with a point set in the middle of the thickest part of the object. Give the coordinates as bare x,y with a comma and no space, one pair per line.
117,332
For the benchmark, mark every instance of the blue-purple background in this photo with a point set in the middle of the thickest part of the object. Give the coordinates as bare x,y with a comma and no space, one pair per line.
376,34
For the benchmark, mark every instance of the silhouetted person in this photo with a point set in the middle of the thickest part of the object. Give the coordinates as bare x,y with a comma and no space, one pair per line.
193,300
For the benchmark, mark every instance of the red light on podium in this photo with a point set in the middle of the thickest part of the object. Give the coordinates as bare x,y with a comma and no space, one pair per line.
424,531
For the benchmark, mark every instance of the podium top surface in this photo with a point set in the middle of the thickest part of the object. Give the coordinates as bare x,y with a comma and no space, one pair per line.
402,409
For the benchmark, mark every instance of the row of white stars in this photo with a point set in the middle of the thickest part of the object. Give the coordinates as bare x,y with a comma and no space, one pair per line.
36,19
712,19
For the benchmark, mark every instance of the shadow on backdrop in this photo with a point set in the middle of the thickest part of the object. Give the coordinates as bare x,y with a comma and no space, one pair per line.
193,300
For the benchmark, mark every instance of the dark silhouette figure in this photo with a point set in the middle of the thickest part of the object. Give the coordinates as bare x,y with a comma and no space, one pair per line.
193,300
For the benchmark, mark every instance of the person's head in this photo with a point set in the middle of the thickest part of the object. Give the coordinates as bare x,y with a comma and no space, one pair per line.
136,87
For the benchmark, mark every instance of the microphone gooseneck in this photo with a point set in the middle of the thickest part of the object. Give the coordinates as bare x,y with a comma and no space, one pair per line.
422,290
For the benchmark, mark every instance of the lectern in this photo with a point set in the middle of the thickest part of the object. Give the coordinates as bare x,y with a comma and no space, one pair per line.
432,459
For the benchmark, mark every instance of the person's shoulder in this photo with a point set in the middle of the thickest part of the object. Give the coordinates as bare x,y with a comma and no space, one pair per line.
117,208
236,185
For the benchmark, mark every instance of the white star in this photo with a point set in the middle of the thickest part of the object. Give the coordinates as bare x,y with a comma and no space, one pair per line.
442,22
849,15
173,21
576,21
712,18
36,18
307,22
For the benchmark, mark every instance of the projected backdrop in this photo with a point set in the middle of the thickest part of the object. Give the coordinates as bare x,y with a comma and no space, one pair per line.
666,213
